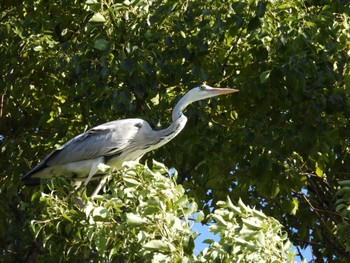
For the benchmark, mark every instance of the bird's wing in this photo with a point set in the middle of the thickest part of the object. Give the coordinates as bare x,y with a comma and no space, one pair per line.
104,140
107,139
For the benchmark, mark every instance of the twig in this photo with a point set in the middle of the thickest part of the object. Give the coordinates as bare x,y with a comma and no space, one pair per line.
2,103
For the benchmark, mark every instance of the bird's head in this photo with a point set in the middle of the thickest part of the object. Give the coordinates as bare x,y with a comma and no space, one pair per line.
198,93
204,91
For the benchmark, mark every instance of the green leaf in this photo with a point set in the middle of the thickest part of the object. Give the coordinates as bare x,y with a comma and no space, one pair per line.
192,208
101,44
134,220
344,191
66,216
158,166
219,220
252,223
101,242
141,236
38,48
295,206
344,183
181,202
250,245
208,241
221,203
97,18
131,182
259,214
36,196
319,170
260,238
284,6
159,245
264,76
243,206
68,228
340,207
91,2
200,216
88,208
100,213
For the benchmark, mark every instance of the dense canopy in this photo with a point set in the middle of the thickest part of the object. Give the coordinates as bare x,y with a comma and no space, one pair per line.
280,144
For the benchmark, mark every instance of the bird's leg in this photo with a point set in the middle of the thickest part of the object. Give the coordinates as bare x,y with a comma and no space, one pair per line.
102,167
93,170
99,186
91,173
94,167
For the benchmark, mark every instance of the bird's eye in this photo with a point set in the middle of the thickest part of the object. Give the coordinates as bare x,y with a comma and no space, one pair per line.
202,87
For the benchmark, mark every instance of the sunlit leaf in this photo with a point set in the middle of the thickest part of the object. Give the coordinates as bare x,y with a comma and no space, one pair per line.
159,245
319,170
200,216
100,213
134,220
97,18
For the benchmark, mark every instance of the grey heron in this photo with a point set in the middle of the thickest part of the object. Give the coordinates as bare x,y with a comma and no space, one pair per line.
114,142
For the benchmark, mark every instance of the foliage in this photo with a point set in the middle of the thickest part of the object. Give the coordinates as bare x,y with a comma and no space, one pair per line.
280,144
343,207
142,218
246,235
146,217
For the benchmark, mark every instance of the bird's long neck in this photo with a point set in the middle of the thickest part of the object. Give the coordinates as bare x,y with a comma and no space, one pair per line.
180,106
179,122
174,129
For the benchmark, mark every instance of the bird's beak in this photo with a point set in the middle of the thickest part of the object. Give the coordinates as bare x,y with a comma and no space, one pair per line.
218,91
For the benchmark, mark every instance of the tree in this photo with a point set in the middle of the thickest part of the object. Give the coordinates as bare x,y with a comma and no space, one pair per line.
73,65
146,217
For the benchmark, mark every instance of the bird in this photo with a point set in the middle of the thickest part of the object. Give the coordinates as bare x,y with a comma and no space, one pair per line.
112,143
